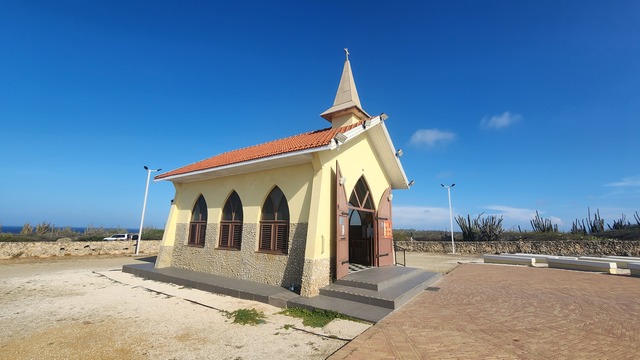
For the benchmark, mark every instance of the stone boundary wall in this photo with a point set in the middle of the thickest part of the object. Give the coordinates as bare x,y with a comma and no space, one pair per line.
43,249
558,247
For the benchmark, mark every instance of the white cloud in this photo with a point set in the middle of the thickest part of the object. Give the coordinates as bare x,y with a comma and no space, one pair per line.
631,181
500,121
432,137
511,213
421,218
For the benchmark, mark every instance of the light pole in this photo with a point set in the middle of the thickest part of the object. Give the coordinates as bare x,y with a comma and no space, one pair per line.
144,207
453,244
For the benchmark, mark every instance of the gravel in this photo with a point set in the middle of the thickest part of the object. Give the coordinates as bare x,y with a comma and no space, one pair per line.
78,308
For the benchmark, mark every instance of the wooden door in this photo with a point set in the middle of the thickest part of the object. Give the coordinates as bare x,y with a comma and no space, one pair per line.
383,233
342,227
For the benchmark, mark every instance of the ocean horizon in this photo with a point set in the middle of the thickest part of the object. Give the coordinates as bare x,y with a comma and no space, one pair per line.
80,230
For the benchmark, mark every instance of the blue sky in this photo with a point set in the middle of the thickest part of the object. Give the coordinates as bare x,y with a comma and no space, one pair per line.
524,105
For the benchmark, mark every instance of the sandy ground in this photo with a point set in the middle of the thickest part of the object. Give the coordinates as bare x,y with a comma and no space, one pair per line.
78,308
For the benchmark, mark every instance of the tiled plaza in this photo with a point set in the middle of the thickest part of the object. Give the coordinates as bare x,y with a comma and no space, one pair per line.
510,312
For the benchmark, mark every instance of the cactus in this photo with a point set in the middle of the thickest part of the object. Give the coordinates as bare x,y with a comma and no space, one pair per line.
621,223
540,224
483,229
490,228
578,227
588,225
597,224
468,227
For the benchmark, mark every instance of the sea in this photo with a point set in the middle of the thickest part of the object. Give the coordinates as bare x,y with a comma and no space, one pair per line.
80,230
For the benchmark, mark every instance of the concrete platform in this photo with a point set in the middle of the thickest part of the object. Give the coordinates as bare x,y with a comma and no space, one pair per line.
509,259
243,289
368,295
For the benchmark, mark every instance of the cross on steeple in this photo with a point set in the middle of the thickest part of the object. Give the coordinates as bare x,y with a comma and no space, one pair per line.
346,51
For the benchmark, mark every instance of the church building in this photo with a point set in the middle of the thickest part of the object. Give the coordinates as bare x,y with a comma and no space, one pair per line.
298,212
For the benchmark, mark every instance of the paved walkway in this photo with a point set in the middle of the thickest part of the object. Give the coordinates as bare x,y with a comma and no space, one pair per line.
510,312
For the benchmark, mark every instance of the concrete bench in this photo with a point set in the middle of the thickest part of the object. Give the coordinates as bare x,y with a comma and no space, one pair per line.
507,259
635,269
583,265
620,263
628,258
540,258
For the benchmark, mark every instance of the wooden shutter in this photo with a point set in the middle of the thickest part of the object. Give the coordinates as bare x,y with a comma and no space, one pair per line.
237,235
224,235
282,237
265,236
202,233
193,233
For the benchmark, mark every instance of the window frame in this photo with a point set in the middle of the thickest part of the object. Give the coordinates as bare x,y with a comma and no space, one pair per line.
275,232
231,229
198,227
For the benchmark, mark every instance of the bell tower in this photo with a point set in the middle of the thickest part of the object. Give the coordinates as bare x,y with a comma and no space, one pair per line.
346,109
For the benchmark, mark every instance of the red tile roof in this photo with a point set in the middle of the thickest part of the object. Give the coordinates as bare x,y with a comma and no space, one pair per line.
304,141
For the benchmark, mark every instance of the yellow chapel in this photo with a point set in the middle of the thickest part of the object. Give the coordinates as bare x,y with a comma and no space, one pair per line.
300,212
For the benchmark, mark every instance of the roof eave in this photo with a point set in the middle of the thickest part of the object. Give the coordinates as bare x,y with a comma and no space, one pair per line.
401,181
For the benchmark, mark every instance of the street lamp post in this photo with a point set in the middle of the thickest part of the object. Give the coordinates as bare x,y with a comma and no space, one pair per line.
144,207
453,244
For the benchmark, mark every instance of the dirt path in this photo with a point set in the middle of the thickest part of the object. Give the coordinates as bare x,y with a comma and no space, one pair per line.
77,308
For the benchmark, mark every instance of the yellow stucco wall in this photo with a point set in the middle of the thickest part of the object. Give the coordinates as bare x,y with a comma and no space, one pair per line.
252,188
356,158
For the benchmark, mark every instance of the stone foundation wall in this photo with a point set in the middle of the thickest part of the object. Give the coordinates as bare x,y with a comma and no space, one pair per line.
560,247
246,263
43,249
317,274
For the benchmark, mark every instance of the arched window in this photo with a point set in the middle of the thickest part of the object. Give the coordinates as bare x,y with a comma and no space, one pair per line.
198,224
274,223
361,196
231,222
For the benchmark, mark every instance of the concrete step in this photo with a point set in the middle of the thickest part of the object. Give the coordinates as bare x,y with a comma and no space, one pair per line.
378,279
370,313
391,297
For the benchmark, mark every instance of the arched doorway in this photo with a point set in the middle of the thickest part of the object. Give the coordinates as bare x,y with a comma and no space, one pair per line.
361,225
363,234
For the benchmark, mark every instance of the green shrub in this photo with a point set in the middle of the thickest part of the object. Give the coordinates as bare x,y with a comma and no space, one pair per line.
247,317
316,318
150,233
26,229
423,235
44,228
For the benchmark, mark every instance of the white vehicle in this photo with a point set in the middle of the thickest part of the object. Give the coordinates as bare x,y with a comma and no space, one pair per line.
117,237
